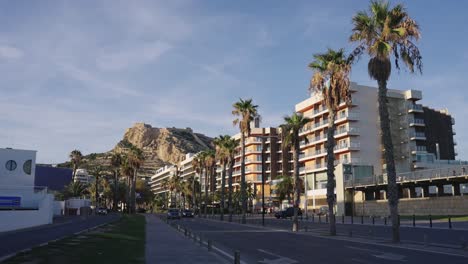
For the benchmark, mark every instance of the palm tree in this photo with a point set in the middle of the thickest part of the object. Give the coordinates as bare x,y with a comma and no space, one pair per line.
127,170
285,188
75,189
165,186
381,33
331,79
245,112
222,154
230,146
97,172
293,124
210,166
135,159
174,187
198,168
115,162
75,159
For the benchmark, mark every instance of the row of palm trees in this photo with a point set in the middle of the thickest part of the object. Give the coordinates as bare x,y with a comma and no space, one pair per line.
125,164
382,32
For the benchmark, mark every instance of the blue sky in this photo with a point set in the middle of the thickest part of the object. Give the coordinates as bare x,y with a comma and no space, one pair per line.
76,74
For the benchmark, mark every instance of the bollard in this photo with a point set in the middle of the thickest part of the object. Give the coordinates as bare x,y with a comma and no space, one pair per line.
463,243
373,220
320,219
305,228
430,221
350,233
326,218
209,245
313,219
236,257
414,220
362,219
200,240
450,222
342,219
352,219
385,221
185,231
425,240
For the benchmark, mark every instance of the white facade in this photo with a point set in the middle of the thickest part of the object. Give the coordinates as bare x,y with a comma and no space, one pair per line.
17,190
82,176
163,173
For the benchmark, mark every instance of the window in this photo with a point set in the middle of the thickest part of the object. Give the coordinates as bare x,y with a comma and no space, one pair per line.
27,167
10,165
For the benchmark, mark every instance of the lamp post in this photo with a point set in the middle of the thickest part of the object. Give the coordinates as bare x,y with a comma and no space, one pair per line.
264,138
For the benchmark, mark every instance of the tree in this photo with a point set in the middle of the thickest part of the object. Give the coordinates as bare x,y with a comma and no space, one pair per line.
127,171
331,79
293,124
174,187
97,172
75,159
210,167
135,159
285,188
222,144
198,168
381,33
115,162
165,186
230,146
74,190
245,112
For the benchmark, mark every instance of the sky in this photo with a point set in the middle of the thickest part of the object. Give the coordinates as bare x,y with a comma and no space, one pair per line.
76,74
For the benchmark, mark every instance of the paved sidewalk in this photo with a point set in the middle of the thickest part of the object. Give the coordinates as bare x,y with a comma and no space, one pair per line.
166,245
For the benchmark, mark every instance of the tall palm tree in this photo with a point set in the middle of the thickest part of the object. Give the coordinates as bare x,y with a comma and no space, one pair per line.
198,168
127,170
381,33
222,154
230,146
293,124
245,112
165,186
285,188
75,189
115,162
97,171
75,159
135,159
331,79
210,166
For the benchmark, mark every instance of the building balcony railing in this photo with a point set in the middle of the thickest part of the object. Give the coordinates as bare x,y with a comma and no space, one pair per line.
417,135
416,122
415,108
418,149
352,145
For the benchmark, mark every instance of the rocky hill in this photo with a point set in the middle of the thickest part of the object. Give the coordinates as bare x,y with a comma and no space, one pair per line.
161,146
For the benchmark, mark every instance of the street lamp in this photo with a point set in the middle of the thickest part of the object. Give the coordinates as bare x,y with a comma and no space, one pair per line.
264,138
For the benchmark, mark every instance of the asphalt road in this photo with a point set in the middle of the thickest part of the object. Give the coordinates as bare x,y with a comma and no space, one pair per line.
275,245
15,241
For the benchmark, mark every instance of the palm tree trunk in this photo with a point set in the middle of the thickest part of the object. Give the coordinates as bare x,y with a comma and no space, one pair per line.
213,188
223,183
297,193
392,188
114,202
206,192
331,171
133,198
127,205
230,209
243,183
96,194
193,193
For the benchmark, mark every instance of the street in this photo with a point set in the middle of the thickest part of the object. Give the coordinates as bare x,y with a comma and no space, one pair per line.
277,245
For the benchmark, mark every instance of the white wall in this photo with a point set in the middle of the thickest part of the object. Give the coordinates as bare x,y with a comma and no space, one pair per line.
17,177
12,220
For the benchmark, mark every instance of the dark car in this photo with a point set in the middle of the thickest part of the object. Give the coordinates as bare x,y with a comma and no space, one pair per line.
102,211
173,214
141,210
289,212
187,213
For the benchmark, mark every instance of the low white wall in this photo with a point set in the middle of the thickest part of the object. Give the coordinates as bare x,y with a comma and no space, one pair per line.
12,220
59,207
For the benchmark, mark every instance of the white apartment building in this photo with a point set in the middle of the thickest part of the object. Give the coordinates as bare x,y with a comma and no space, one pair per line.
83,176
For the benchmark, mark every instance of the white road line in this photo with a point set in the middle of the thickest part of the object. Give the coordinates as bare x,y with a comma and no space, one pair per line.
280,259
224,253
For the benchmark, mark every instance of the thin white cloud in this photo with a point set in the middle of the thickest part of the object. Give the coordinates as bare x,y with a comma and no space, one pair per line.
10,52
135,55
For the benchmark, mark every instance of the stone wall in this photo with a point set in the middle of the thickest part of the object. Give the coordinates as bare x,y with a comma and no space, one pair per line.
450,205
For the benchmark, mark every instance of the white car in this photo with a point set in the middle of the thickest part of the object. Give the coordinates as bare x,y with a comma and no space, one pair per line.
102,211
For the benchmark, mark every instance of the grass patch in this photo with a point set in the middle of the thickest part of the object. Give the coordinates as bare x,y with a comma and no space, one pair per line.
121,242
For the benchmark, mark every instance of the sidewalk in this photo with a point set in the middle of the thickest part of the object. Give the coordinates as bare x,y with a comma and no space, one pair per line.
166,245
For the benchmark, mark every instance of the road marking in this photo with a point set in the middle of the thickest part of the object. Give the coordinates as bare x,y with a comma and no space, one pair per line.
381,254
280,259
361,261
241,231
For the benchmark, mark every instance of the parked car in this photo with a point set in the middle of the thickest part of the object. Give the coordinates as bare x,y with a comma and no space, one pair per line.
141,210
323,210
187,213
102,211
173,214
289,212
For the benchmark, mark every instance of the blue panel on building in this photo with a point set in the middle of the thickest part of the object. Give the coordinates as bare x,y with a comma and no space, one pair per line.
10,201
53,178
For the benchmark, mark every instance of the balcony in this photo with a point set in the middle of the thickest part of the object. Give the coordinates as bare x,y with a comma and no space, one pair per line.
416,122
347,130
417,136
347,161
418,149
347,146
453,131
415,108
347,115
